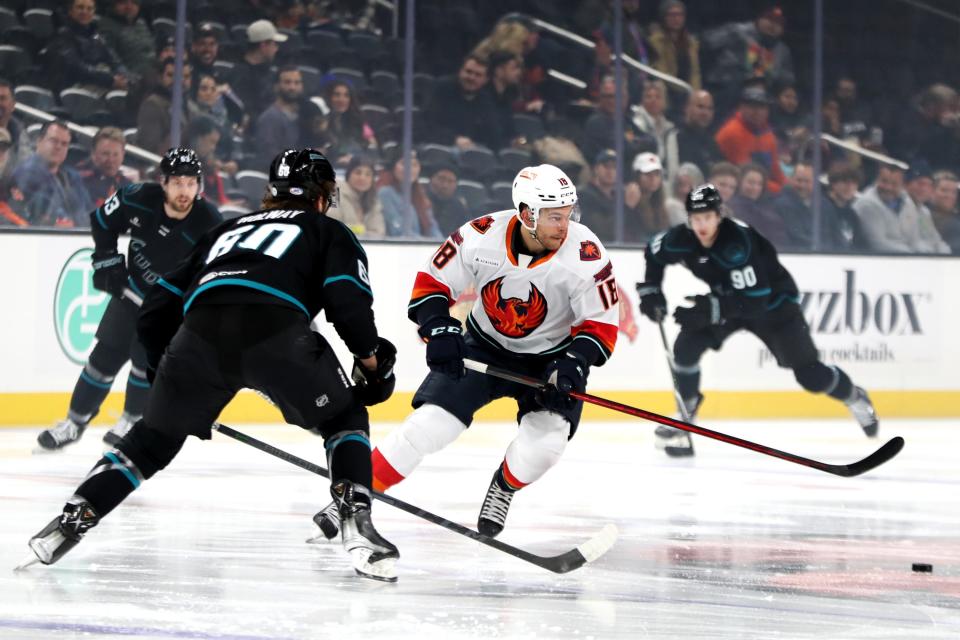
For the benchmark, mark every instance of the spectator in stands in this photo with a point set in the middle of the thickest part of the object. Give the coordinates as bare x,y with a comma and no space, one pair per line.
101,171
278,127
204,50
649,115
448,209
347,128
839,222
929,129
203,136
289,14
725,176
652,216
890,220
461,113
754,206
794,204
785,114
597,198
8,121
634,45
315,125
355,15
358,206
674,49
688,176
402,218
506,70
746,50
855,115
747,137
80,57
918,181
128,34
516,34
153,117
216,102
248,77
10,213
599,128
692,141
943,208
53,193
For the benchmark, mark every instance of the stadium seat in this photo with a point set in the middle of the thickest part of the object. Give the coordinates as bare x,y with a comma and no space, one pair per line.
81,104
515,159
76,153
130,135
354,77
311,79
230,211
422,87
376,116
164,28
8,18
386,82
117,102
14,61
36,97
223,68
502,194
238,33
478,163
21,37
324,41
40,23
252,184
474,194
434,154
531,127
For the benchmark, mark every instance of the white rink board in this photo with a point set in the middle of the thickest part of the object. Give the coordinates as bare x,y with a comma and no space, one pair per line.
885,319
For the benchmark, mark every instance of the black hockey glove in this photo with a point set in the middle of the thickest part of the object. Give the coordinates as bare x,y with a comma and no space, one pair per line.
704,313
445,345
376,386
109,272
652,303
562,376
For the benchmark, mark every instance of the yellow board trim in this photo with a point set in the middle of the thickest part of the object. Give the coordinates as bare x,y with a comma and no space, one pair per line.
18,409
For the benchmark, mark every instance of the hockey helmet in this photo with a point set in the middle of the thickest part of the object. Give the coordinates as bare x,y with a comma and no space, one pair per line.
181,161
706,197
543,186
305,174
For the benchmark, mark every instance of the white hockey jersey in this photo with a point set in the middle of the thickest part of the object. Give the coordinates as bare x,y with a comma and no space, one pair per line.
524,306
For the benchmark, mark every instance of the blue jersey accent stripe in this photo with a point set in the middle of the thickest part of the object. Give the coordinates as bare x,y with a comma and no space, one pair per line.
169,287
356,437
135,288
138,382
189,238
100,218
603,349
349,279
783,297
425,298
102,385
237,282
123,468
758,293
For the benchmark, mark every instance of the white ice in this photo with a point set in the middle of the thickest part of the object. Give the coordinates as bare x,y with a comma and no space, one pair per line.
728,545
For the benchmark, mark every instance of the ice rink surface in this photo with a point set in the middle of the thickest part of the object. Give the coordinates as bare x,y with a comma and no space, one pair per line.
729,545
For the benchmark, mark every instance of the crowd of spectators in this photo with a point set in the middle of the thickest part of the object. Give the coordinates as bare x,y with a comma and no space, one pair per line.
263,75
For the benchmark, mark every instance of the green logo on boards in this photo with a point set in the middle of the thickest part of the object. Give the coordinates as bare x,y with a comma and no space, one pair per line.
77,307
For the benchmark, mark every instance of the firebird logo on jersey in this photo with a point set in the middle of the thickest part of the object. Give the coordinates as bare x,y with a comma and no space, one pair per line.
482,225
513,317
589,250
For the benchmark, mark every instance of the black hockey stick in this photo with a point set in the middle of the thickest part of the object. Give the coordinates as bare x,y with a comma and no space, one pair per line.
681,405
563,563
875,459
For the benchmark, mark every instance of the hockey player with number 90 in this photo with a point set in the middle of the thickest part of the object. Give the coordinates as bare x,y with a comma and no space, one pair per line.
749,290
547,308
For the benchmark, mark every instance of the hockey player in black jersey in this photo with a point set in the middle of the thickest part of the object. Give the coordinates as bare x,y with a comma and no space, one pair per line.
236,313
164,220
749,290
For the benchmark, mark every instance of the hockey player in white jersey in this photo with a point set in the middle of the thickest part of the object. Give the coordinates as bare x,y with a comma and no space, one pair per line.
547,307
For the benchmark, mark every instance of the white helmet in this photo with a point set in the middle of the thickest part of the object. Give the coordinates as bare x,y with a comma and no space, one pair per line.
541,187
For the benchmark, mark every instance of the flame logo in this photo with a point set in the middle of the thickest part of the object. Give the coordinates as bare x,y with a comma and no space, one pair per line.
513,317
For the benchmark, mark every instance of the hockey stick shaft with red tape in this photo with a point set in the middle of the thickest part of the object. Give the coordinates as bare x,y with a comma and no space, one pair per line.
875,459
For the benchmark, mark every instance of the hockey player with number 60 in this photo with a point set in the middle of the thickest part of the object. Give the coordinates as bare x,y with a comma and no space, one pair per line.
547,308
749,290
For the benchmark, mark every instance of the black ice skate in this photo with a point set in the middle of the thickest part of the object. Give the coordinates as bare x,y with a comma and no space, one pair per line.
674,442
863,411
372,556
117,431
328,521
62,533
493,512
63,433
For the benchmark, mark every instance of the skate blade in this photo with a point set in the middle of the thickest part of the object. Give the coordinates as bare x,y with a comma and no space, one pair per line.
27,563
319,537
383,570
42,451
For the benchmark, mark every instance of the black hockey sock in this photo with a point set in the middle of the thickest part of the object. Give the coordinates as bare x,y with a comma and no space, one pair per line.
88,394
110,481
137,390
348,456
843,388
688,381
819,378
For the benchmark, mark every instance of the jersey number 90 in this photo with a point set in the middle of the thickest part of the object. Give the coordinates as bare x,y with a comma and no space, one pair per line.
743,278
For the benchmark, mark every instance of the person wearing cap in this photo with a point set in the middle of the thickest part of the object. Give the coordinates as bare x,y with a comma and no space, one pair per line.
250,77
747,136
651,208
673,48
124,30
597,198
919,186
204,50
448,209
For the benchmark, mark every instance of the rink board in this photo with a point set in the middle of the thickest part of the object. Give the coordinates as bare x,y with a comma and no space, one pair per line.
885,320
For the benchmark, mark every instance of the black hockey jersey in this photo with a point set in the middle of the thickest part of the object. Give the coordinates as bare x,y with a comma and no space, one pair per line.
290,257
741,267
157,241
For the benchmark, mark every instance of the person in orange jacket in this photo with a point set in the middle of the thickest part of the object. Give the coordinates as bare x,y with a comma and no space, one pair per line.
747,137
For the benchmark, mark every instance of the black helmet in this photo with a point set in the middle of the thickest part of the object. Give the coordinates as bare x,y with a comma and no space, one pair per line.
303,173
181,161
706,197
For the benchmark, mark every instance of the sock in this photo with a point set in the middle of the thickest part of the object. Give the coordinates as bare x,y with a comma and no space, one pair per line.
88,394
506,480
348,456
137,390
384,475
110,481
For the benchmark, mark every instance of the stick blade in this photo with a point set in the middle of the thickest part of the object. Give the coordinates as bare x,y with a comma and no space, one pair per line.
587,552
872,461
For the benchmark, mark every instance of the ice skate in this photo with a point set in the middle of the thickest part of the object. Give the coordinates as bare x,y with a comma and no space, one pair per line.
493,512
62,533
674,442
328,523
65,432
120,429
372,556
863,411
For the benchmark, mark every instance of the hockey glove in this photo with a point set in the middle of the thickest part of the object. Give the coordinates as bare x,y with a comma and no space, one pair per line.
562,376
376,386
704,313
445,345
109,273
652,303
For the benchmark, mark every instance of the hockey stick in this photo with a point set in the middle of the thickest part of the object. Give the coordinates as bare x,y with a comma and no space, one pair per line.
563,563
681,405
132,297
875,459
